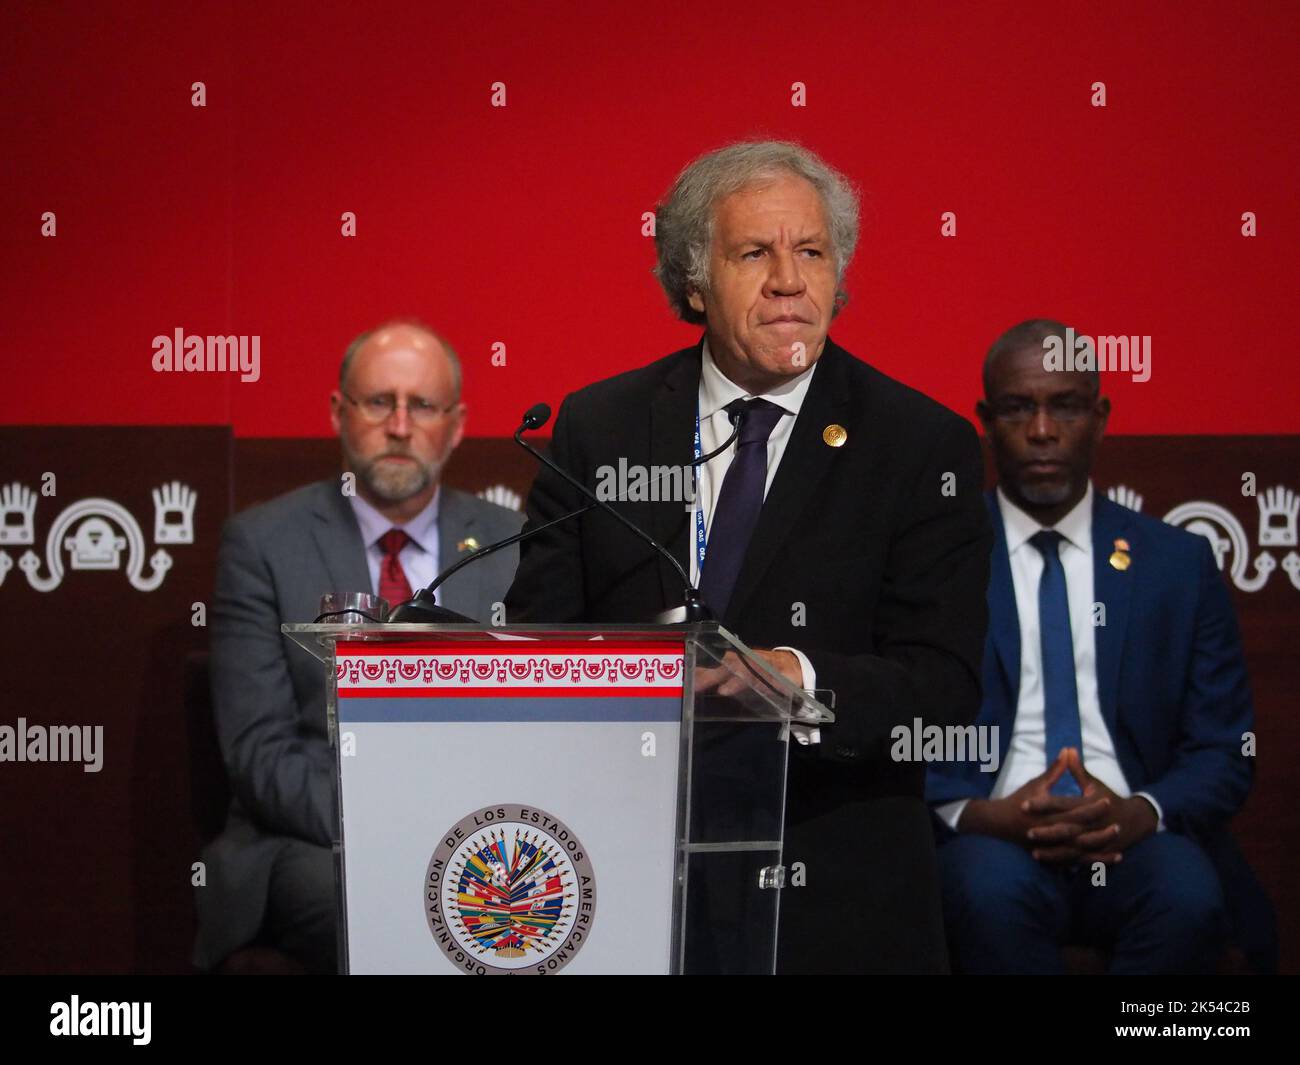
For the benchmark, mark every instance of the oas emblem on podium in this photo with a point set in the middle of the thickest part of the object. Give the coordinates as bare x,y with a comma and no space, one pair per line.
510,890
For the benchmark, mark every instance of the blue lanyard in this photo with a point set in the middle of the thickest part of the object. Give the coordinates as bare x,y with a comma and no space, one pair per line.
701,539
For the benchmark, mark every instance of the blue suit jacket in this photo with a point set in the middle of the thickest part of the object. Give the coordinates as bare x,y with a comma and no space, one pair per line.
1172,684
1171,677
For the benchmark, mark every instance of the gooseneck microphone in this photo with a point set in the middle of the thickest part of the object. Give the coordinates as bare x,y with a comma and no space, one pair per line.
422,608
695,607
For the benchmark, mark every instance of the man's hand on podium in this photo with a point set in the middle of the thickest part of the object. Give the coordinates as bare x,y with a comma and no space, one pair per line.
731,677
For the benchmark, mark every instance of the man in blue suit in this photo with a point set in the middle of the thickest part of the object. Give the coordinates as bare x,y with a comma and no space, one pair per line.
1114,675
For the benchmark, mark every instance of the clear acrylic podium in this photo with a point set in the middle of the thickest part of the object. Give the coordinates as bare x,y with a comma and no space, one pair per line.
538,799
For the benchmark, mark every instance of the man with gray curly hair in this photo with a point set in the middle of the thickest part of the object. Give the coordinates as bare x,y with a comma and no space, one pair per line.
766,328
843,533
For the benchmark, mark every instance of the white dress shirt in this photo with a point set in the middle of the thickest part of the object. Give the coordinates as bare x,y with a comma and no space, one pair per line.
1027,756
419,557
716,391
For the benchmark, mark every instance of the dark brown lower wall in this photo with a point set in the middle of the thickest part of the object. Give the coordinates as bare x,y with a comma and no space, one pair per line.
95,867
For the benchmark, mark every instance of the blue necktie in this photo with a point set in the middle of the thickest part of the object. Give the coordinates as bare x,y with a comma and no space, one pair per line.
739,502
1060,695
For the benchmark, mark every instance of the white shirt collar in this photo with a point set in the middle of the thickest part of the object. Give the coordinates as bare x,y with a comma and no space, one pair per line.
1076,526
423,528
717,390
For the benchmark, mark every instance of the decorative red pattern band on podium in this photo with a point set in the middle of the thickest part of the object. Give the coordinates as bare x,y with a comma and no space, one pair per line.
511,671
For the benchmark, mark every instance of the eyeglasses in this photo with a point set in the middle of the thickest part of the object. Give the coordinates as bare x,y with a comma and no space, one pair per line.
1059,409
378,409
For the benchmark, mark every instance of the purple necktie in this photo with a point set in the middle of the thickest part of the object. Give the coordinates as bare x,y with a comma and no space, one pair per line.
739,502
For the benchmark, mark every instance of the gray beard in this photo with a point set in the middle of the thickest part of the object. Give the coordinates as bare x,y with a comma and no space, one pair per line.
395,484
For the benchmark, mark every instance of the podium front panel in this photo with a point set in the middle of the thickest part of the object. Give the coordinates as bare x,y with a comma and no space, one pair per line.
509,807
547,799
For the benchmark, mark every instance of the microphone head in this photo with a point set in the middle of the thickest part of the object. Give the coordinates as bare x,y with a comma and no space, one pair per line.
536,416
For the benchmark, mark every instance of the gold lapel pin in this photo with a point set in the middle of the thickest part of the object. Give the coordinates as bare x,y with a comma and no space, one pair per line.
835,435
1119,558
468,544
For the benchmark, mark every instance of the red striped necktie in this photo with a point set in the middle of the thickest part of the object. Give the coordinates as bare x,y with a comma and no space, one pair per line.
393,585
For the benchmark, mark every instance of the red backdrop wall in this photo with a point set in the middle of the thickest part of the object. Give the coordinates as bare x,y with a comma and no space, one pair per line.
522,224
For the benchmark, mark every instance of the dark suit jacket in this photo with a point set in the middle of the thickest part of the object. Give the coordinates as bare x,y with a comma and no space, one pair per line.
1171,680
891,564
275,562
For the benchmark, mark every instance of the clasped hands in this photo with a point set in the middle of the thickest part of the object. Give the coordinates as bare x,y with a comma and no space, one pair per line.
1097,826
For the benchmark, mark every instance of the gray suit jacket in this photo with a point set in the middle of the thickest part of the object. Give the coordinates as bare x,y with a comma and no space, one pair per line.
275,562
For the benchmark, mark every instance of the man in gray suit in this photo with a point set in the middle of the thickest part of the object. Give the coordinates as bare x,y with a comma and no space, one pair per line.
385,526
